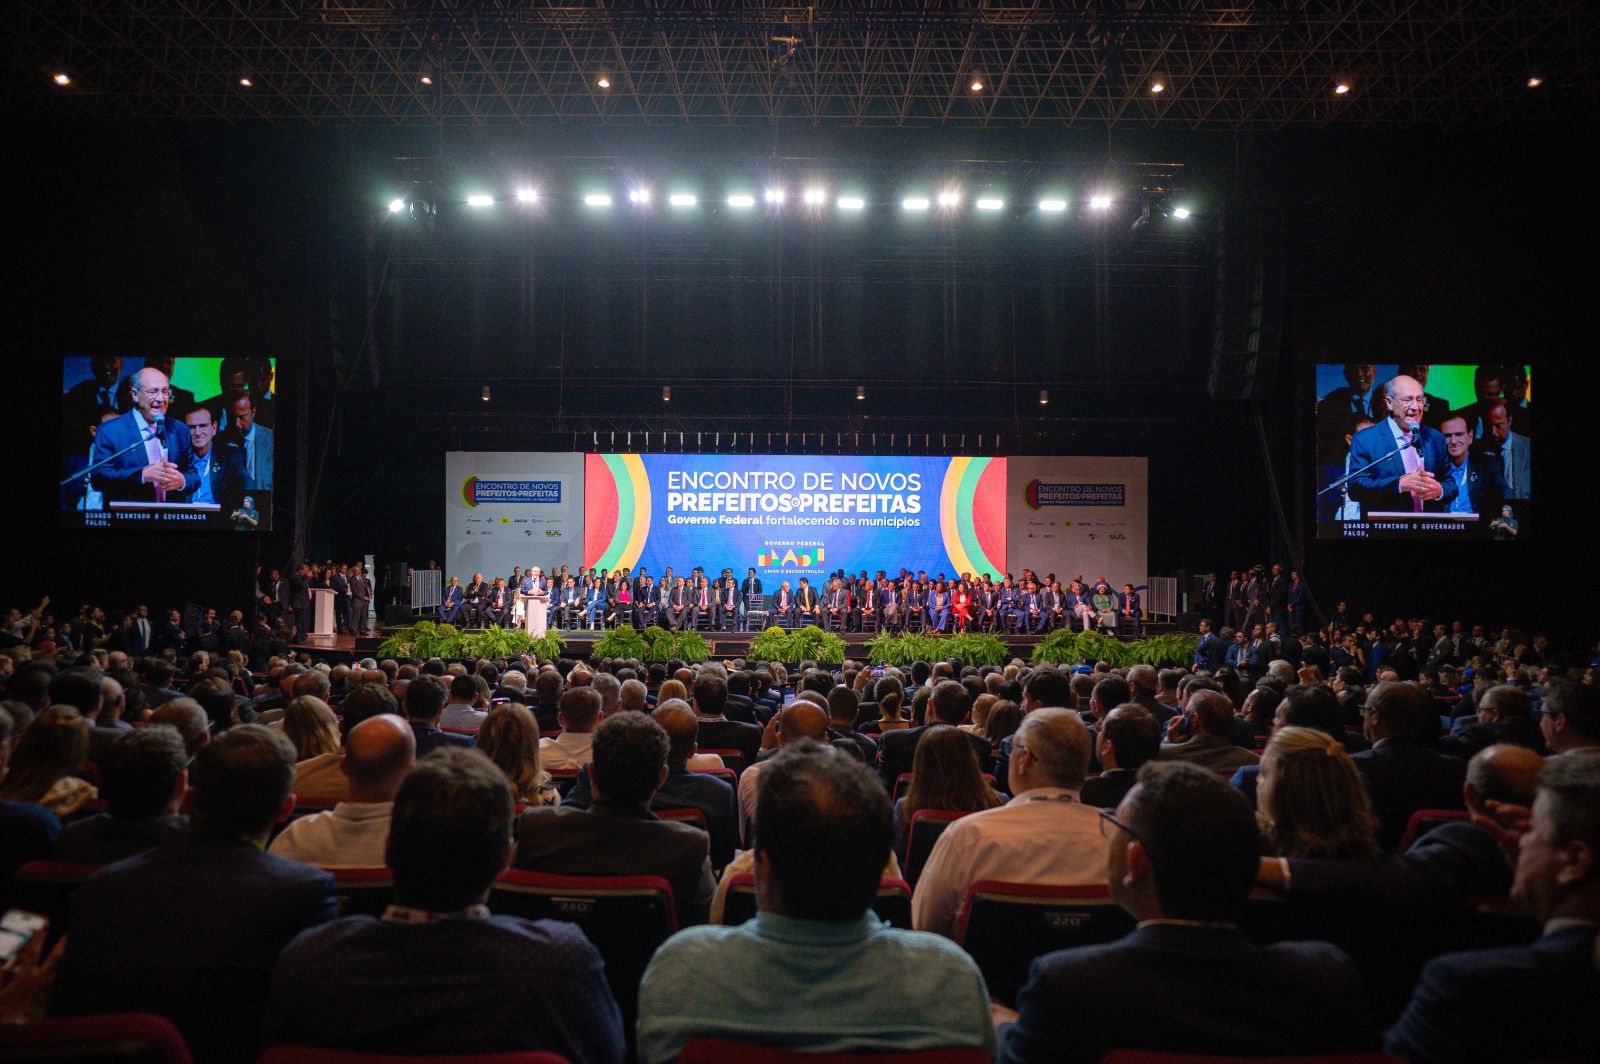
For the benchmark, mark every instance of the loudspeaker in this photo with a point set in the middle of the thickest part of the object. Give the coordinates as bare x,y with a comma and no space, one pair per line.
397,613
1247,331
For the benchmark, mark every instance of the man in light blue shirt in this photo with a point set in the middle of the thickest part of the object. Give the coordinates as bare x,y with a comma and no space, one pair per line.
816,969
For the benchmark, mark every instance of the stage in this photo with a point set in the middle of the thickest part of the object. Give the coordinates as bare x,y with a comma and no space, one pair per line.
724,645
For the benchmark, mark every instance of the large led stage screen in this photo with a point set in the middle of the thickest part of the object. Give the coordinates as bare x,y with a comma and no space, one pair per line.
1424,451
173,444
789,516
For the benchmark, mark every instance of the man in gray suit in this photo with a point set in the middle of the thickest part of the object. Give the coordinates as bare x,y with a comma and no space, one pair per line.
254,439
1512,448
360,601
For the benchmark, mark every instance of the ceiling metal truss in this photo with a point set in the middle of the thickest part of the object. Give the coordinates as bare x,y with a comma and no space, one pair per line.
868,63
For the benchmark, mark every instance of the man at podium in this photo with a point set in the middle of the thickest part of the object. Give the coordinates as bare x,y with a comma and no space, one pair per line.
1407,458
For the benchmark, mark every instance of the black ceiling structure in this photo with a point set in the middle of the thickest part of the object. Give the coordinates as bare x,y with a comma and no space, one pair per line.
868,63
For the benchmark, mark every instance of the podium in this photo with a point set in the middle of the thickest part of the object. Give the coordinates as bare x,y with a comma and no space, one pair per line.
322,611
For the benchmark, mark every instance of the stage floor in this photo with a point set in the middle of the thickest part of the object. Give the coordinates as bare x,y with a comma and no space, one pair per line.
580,643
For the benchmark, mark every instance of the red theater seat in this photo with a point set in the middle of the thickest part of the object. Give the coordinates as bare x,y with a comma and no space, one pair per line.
291,1054
1004,926
111,1038
723,1051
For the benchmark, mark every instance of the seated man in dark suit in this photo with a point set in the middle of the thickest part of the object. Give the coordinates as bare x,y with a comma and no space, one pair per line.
683,789
438,973
1533,1002
1182,857
191,930
618,835
950,703
143,780
717,732
1405,475
425,698
1402,774
1128,737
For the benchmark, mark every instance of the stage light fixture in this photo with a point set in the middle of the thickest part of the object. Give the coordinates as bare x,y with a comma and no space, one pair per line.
976,84
851,203
1053,206
486,393
861,391
396,205
742,201
1100,202
527,195
1158,85
1181,213
1534,81
425,75
682,199
990,203
949,199
480,199
774,196
1044,396
639,196
815,197
603,82
246,79
62,78
915,203
666,393
597,199
1341,88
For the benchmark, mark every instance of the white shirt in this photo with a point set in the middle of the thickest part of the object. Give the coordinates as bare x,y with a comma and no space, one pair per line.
569,751
350,835
1044,835
747,798
461,715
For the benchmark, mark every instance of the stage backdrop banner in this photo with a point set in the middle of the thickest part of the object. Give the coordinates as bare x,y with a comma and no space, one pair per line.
1079,515
794,515
510,508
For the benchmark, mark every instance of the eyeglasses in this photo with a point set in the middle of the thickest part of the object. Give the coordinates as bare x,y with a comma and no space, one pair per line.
1109,825
155,393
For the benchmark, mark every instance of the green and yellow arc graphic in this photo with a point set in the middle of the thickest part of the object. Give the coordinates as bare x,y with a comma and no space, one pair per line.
956,500
633,511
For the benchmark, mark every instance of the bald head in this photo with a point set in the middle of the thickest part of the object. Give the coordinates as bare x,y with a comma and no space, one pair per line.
804,720
1502,773
682,728
378,753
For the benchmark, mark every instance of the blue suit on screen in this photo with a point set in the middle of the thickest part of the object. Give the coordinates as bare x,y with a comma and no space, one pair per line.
1379,487
120,478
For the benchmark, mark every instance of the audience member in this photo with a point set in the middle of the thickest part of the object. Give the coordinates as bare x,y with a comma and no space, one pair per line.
1311,800
815,969
28,831
948,703
144,778
1534,1002
1402,774
509,737
800,719
944,776
1044,834
191,930
438,973
578,716
378,753
1183,848
1569,716
1203,735
1129,736
45,761
618,835
461,712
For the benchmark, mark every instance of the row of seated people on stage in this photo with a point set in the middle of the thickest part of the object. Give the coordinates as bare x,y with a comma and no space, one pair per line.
1159,788
911,601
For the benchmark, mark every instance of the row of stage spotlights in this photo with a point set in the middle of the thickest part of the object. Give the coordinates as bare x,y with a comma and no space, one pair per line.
776,197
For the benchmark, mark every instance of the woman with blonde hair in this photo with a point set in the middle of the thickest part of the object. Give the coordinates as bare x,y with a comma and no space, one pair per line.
1311,799
46,760
981,706
509,736
309,724
671,689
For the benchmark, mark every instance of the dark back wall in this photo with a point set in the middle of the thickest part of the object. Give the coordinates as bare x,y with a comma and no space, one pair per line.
211,241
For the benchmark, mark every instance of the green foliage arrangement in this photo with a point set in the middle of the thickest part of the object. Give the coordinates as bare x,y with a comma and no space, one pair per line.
624,642
1067,647
972,648
802,644
427,639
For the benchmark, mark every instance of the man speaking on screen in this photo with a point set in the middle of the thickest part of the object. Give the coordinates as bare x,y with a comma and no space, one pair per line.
1407,458
157,462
